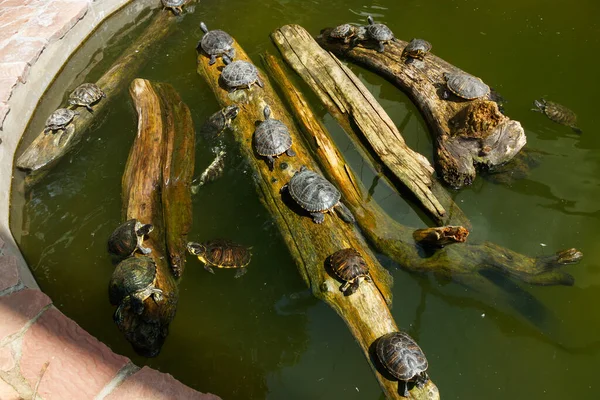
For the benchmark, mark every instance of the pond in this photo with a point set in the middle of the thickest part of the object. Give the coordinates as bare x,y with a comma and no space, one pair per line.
264,335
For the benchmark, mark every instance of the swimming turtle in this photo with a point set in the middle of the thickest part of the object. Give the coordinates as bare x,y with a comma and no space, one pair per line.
219,121
416,48
216,43
213,172
465,86
59,120
351,267
239,74
132,282
316,195
402,357
557,113
380,33
221,253
85,95
175,5
128,238
272,138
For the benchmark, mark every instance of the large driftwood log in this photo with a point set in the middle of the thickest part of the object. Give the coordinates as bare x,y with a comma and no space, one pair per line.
467,133
365,312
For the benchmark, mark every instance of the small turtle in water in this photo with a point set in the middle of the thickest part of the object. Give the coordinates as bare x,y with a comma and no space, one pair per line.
557,113
465,86
128,238
402,357
85,95
316,195
221,253
417,49
59,120
175,5
216,43
351,267
239,74
132,282
219,121
213,172
272,139
379,32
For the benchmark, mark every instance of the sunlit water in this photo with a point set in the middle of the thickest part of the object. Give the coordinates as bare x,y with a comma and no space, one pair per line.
264,336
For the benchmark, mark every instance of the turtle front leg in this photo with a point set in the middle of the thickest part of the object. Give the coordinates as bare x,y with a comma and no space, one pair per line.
421,379
89,108
137,302
157,294
213,59
143,249
271,163
209,269
345,286
381,48
405,393
352,288
318,217
259,82
241,272
290,153
231,53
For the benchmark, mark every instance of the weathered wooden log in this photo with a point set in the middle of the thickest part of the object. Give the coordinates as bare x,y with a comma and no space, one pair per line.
467,134
440,236
366,311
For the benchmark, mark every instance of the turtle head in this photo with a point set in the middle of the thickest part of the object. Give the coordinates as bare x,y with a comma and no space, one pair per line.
370,19
226,59
143,229
196,248
231,112
73,102
203,27
267,112
540,104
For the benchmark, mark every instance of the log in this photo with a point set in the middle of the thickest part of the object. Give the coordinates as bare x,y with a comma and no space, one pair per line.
467,134
440,236
365,312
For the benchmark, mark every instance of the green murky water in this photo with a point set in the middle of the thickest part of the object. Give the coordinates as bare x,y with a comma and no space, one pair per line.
264,336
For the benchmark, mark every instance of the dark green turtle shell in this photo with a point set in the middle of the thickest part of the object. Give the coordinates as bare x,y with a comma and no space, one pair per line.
379,32
558,113
223,253
466,86
216,42
349,265
123,241
401,355
239,73
417,48
173,3
130,276
271,137
86,94
313,192
343,31
59,119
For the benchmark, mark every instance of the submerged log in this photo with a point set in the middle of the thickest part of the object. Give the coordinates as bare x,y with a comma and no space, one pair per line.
441,236
467,134
365,312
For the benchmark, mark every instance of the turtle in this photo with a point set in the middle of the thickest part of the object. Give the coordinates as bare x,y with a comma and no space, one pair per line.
128,238
350,266
344,32
402,358
213,172
316,195
59,120
215,43
221,253
272,138
379,32
85,95
465,86
132,282
239,74
416,48
219,121
557,113
175,5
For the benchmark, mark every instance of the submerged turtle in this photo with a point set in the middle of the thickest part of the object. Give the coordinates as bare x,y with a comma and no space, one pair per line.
402,358
132,282
128,238
219,121
175,5
316,195
221,253
216,43
351,267
380,33
59,120
85,95
466,86
416,48
239,74
272,139
557,113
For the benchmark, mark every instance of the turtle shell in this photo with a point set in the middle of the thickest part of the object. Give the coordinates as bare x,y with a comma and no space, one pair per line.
60,118
466,86
559,113
216,42
401,355
173,3
417,48
348,265
313,192
272,138
239,73
217,122
342,31
379,32
124,240
86,94
223,253
130,276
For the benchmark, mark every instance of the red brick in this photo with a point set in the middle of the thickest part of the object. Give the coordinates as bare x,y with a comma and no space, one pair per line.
80,366
18,50
149,384
56,20
7,360
9,273
20,70
18,308
7,392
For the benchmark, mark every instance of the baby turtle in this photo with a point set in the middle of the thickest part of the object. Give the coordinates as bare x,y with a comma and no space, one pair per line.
380,33
557,113
402,357
239,74
216,43
316,195
213,172
128,238
175,5
59,120
132,282
466,86
416,48
221,253
85,95
351,267
272,139
219,121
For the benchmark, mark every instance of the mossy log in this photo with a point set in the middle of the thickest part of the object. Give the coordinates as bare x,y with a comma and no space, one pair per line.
366,311
467,133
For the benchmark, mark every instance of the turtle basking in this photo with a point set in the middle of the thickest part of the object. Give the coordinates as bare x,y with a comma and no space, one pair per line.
239,74
379,32
59,120
417,49
85,95
557,113
132,282
316,195
175,5
272,139
219,121
216,43
344,32
128,238
351,267
465,86
402,358
221,253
